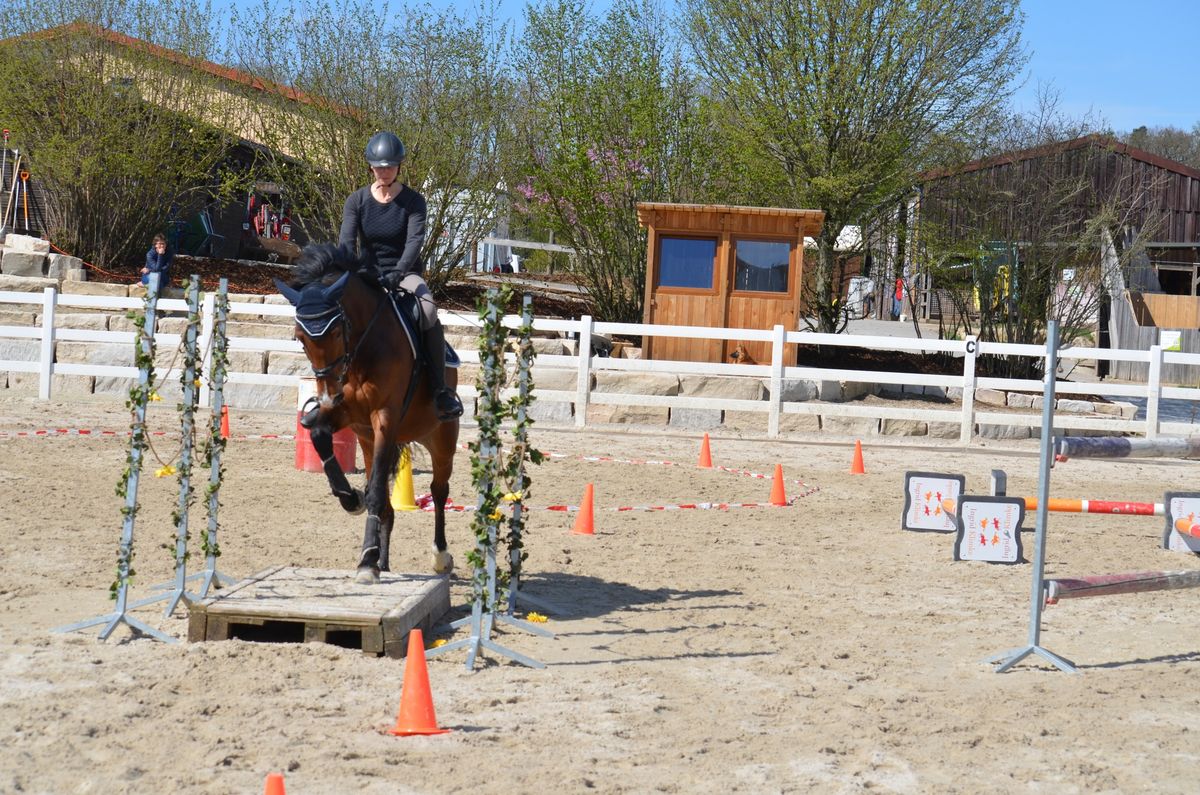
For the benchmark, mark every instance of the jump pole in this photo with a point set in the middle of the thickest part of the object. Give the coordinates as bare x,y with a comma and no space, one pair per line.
1067,447
1113,584
1010,658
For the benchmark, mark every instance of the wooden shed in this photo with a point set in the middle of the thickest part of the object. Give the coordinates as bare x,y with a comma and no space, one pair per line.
722,267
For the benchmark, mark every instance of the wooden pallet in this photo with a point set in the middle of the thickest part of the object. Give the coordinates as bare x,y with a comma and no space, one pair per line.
285,603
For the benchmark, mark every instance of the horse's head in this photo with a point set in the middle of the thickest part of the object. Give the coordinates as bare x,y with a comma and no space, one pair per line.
323,321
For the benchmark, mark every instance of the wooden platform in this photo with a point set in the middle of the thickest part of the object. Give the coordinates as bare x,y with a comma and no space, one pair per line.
288,604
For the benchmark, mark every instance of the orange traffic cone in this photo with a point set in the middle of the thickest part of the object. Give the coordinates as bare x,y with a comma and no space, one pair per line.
275,785
778,497
224,422
583,520
705,455
856,467
416,702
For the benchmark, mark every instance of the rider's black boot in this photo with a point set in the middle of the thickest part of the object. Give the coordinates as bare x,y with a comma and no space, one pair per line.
444,399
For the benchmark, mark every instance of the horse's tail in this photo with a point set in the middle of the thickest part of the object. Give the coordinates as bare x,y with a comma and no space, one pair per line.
319,260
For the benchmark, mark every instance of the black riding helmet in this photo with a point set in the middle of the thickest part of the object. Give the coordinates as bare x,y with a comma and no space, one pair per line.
384,150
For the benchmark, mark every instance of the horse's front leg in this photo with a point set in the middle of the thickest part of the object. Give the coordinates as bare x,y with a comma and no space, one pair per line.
441,445
377,532
320,426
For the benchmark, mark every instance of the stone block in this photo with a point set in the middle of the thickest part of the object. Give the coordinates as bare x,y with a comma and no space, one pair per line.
258,396
991,397
551,411
27,384
556,378
244,298
853,390
550,347
20,350
695,419
938,392
799,423
22,263
637,384
893,427
18,317
26,243
278,300
793,390
105,353
76,275
943,430
1020,400
850,426
718,386
1071,406
95,288
1117,408
954,392
749,421
829,391
628,415
26,284
247,361
282,363
58,266
270,331
91,321
989,431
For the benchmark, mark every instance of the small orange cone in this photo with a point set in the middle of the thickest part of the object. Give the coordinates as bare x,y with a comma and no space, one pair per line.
778,497
275,785
416,702
705,455
583,520
856,467
224,422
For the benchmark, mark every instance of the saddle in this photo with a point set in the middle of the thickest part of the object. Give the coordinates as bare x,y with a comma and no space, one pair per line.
404,304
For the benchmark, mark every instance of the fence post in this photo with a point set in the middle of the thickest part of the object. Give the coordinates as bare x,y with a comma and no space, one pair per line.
967,430
778,336
1154,391
46,359
208,314
583,385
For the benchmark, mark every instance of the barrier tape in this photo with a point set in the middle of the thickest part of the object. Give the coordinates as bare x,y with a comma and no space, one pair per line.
425,503
58,433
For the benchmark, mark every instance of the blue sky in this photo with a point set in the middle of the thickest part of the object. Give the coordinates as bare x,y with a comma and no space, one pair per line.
1131,63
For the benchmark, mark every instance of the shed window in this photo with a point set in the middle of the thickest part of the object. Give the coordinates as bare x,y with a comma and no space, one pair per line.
762,265
687,262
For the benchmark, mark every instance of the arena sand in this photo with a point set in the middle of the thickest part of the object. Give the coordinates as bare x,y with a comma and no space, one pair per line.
814,648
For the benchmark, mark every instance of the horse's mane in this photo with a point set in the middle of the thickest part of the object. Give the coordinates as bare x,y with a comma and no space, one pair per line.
326,262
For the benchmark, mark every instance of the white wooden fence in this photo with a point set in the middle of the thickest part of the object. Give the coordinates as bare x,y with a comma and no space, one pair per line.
774,375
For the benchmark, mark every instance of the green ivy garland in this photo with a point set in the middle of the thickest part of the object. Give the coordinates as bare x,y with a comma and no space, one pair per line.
184,470
213,448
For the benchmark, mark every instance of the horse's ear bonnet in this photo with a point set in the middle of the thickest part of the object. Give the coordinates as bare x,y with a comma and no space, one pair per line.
317,307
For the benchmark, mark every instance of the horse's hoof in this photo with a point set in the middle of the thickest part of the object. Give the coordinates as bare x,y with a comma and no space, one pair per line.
358,506
443,562
367,576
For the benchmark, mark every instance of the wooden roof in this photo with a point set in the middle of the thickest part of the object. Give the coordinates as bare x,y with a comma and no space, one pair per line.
645,208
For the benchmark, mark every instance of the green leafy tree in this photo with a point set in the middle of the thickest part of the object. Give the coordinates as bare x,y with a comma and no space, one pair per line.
100,97
608,116
436,79
843,97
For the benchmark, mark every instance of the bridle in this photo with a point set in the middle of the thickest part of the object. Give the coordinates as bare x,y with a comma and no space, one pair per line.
342,363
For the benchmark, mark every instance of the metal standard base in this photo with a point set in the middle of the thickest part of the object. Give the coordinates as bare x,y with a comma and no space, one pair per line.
122,616
1011,657
482,639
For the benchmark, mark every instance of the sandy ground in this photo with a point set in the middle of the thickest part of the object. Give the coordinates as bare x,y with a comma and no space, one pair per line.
814,648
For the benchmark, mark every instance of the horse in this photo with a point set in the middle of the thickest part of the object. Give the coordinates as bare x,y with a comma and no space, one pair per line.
369,380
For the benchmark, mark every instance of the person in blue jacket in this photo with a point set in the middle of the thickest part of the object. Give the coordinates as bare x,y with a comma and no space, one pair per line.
158,260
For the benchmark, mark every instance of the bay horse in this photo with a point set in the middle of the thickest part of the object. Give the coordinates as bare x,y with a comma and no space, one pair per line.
368,380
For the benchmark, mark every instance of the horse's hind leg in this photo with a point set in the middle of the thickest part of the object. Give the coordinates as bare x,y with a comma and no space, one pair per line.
379,513
442,445
322,440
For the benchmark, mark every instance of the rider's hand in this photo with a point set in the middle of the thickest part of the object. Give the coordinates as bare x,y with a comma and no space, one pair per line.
392,279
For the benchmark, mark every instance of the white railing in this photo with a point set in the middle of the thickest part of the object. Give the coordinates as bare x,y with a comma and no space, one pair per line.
775,374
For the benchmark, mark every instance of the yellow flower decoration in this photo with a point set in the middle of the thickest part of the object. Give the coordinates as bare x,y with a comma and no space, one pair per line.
154,398
495,515
512,496
196,382
165,472
438,643
536,618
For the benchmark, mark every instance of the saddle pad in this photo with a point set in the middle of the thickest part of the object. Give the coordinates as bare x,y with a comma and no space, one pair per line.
404,304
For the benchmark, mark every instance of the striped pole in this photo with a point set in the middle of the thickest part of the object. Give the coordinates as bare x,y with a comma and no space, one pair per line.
1066,447
1113,584
1066,505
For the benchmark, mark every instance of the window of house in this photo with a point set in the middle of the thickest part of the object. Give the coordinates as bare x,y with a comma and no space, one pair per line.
762,265
687,262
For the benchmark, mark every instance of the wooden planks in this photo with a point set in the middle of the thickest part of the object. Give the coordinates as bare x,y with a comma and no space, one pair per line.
285,603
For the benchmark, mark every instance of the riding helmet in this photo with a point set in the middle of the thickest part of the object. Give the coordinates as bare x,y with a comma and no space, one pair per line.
384,150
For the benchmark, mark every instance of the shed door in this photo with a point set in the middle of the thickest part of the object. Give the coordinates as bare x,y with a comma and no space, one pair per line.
685,294
763,290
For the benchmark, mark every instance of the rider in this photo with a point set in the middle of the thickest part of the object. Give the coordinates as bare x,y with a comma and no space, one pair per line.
388,218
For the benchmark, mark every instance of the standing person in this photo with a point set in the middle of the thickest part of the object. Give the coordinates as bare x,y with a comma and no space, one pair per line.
158,260
386,221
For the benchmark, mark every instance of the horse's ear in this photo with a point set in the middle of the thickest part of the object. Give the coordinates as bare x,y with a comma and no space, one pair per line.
293,296
333,292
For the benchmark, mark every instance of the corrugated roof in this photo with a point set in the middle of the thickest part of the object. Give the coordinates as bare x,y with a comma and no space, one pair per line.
730,208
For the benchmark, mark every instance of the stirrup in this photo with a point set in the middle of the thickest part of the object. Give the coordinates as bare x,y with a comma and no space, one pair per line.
448,405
